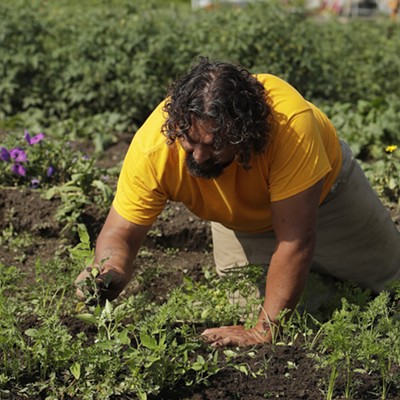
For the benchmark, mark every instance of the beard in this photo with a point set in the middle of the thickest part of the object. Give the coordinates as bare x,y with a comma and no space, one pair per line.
210,169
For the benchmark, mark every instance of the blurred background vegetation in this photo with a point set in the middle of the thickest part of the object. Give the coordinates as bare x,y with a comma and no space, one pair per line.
94,68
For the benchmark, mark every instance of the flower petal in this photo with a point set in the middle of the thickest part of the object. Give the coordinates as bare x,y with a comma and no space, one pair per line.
50,171
35,183
4,154
27,137
18,154
18,169
37,138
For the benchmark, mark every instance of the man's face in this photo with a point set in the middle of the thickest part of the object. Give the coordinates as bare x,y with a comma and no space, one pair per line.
202,159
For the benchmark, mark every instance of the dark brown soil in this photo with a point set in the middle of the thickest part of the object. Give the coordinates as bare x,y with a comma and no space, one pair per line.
291,373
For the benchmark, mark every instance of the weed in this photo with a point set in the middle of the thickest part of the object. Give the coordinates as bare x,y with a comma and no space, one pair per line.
366,337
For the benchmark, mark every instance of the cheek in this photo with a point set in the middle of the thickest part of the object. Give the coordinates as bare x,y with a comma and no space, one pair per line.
226,155
186,146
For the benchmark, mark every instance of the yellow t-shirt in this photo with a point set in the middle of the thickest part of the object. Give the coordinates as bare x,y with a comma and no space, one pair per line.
302,149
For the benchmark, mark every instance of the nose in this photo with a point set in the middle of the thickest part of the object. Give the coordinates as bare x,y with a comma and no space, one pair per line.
201,153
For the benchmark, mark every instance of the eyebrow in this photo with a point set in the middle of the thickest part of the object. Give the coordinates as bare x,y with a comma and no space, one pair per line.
186,136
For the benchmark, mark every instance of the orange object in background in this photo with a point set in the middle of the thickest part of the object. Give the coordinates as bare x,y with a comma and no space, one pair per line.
394,6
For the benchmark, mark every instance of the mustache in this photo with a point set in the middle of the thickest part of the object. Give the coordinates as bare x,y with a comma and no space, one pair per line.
209,169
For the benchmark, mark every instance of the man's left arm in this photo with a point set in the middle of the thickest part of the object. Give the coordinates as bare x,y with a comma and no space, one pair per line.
294,222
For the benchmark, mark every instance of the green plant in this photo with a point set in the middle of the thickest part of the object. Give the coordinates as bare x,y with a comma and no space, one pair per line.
11,340
339,345
378,337
93,71
361,340
384,174
16,243
367,124
59,170
29,161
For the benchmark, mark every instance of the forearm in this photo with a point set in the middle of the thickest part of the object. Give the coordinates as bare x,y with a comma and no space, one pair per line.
115,252
287,276
117,246
118,243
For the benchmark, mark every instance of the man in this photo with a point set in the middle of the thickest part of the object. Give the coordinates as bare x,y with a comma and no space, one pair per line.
250,154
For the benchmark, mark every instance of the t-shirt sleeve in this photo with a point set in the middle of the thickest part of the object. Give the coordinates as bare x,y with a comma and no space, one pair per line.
299,159
139,198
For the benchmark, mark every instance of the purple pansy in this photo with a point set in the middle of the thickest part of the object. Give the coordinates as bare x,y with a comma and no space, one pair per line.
35,139
50,171
35,183
18,169
18,154
4,154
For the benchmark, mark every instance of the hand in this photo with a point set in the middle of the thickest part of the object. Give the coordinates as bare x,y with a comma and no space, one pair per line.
100,283
237,335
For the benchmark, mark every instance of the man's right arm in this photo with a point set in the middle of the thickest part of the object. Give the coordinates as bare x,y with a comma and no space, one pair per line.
117,246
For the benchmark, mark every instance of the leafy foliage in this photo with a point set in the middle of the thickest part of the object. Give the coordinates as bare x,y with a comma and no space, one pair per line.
361,340
91,70
59,170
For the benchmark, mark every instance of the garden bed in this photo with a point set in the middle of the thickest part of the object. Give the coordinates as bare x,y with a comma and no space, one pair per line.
179,247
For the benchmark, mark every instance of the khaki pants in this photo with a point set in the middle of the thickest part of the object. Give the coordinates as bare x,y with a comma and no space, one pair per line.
356,239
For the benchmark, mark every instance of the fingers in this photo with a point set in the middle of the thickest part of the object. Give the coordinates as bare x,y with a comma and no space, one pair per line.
92,285
227,341
223,336
234,336
80,282
80,294
222,329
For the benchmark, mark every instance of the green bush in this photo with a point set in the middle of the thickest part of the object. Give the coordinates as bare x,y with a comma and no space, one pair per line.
72,63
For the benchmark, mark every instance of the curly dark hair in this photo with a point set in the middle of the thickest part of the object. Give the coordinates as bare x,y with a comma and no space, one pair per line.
224,96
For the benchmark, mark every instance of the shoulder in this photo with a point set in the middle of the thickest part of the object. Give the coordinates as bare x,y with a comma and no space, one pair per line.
149,150
149,137
284,99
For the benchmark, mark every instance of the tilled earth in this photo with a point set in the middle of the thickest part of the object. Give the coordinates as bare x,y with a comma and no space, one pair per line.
291,372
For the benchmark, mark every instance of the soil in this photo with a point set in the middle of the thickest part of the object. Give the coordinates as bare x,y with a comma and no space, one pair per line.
291,373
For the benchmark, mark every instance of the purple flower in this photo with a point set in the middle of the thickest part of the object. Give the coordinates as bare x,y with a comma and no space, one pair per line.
4,154
50,171
35,139
35,183
18,169
18,154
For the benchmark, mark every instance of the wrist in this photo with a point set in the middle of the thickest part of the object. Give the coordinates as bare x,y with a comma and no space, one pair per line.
267,328
263,326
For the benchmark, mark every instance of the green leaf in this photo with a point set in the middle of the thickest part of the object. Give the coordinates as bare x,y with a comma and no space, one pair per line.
123,337
106,345
108,309
86,317
119,312
148,341
242,368
31,332
75,370
151,360
200,360
83,234
94,272
197,367
142,395
50,193
230,353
